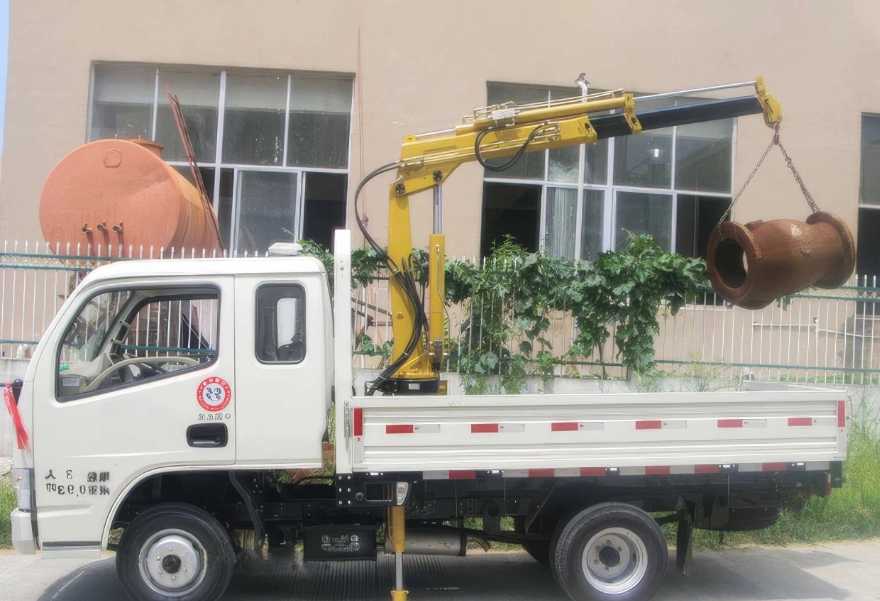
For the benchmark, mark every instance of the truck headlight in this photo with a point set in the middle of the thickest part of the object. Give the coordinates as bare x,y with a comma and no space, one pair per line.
23,483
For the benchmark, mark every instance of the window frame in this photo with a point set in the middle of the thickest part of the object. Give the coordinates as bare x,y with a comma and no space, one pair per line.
135,310
280,284
609,189
217,165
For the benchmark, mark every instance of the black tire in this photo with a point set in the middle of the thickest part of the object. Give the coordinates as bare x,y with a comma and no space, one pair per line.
641,568
539,550
187,533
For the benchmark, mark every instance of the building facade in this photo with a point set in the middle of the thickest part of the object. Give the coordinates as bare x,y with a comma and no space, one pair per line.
289,104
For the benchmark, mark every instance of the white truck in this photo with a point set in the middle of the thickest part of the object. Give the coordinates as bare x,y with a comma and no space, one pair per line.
173,399
164,399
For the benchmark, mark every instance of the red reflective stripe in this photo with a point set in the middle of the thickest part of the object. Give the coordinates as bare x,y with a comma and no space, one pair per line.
651,424
462,475
593,471
21,435
773,467
841,414
563,426
800,421
706,469
657,470
730,423
483,428
399,429
542,473
358,421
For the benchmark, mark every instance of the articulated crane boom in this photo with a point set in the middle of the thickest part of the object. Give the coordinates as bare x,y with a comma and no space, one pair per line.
506,130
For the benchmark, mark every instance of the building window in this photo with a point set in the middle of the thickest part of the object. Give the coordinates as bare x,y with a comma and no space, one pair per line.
868,260
583,200
272,146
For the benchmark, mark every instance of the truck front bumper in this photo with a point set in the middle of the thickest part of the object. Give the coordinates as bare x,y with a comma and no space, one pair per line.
23,532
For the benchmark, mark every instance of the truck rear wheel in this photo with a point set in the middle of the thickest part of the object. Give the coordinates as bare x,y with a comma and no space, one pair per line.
610,551
175,552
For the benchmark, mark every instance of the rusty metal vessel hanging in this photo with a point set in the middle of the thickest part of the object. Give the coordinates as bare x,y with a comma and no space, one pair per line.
754,264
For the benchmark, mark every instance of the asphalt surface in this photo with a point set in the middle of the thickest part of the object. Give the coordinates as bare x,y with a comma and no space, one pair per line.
834,571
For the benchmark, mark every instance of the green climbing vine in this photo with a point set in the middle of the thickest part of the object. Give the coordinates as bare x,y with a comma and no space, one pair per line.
508,301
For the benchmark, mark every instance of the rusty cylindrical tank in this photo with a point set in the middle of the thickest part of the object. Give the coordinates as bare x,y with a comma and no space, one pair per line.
109,194
754,264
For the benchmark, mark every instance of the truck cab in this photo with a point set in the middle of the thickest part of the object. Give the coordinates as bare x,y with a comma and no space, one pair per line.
186,364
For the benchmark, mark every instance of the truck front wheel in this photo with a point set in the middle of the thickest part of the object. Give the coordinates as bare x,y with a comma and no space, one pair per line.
175,551
610,551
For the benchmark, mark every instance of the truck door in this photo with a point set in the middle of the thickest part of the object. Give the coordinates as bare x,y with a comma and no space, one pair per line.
281,369
142,378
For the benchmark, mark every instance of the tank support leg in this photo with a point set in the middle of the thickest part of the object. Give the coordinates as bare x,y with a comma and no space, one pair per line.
396,537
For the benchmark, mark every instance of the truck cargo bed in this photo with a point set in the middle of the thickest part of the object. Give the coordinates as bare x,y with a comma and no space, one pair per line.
597,434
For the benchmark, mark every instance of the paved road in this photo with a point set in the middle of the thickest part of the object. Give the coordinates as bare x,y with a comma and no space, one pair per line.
835,571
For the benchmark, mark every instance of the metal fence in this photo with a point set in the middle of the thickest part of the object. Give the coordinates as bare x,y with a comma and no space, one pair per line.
815,337
819,336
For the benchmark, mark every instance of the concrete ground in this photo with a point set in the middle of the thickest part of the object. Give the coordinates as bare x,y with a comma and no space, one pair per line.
832,571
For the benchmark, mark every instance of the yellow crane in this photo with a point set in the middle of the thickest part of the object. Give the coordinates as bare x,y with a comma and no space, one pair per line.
504,130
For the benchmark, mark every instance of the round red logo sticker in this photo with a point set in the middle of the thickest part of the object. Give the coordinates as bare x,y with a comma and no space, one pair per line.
214,394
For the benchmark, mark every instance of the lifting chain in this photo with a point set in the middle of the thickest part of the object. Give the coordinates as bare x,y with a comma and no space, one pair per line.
797,176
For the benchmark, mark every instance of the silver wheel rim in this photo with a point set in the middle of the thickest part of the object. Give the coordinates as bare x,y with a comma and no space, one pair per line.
172,562
615,561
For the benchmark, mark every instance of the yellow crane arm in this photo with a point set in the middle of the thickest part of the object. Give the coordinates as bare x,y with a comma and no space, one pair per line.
497,131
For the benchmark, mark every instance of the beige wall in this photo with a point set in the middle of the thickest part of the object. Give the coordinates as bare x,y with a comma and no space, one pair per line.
421,65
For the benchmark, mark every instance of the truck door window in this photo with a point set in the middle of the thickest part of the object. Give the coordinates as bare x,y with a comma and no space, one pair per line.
280,336
126,337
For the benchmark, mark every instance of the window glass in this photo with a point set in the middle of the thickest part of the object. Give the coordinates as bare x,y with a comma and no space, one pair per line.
320,118
644,214
224,205
645,160
868,249
596,162
531,164
561,222
266,210
696,217
510,210
324,207
563,162
122,102
199,96
869,191
592,222
253,122
703,156
126,337
280,336
596,159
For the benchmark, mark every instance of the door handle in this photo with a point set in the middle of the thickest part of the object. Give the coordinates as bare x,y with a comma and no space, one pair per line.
207,435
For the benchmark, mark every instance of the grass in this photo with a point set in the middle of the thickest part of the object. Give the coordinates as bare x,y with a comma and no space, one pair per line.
7,504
